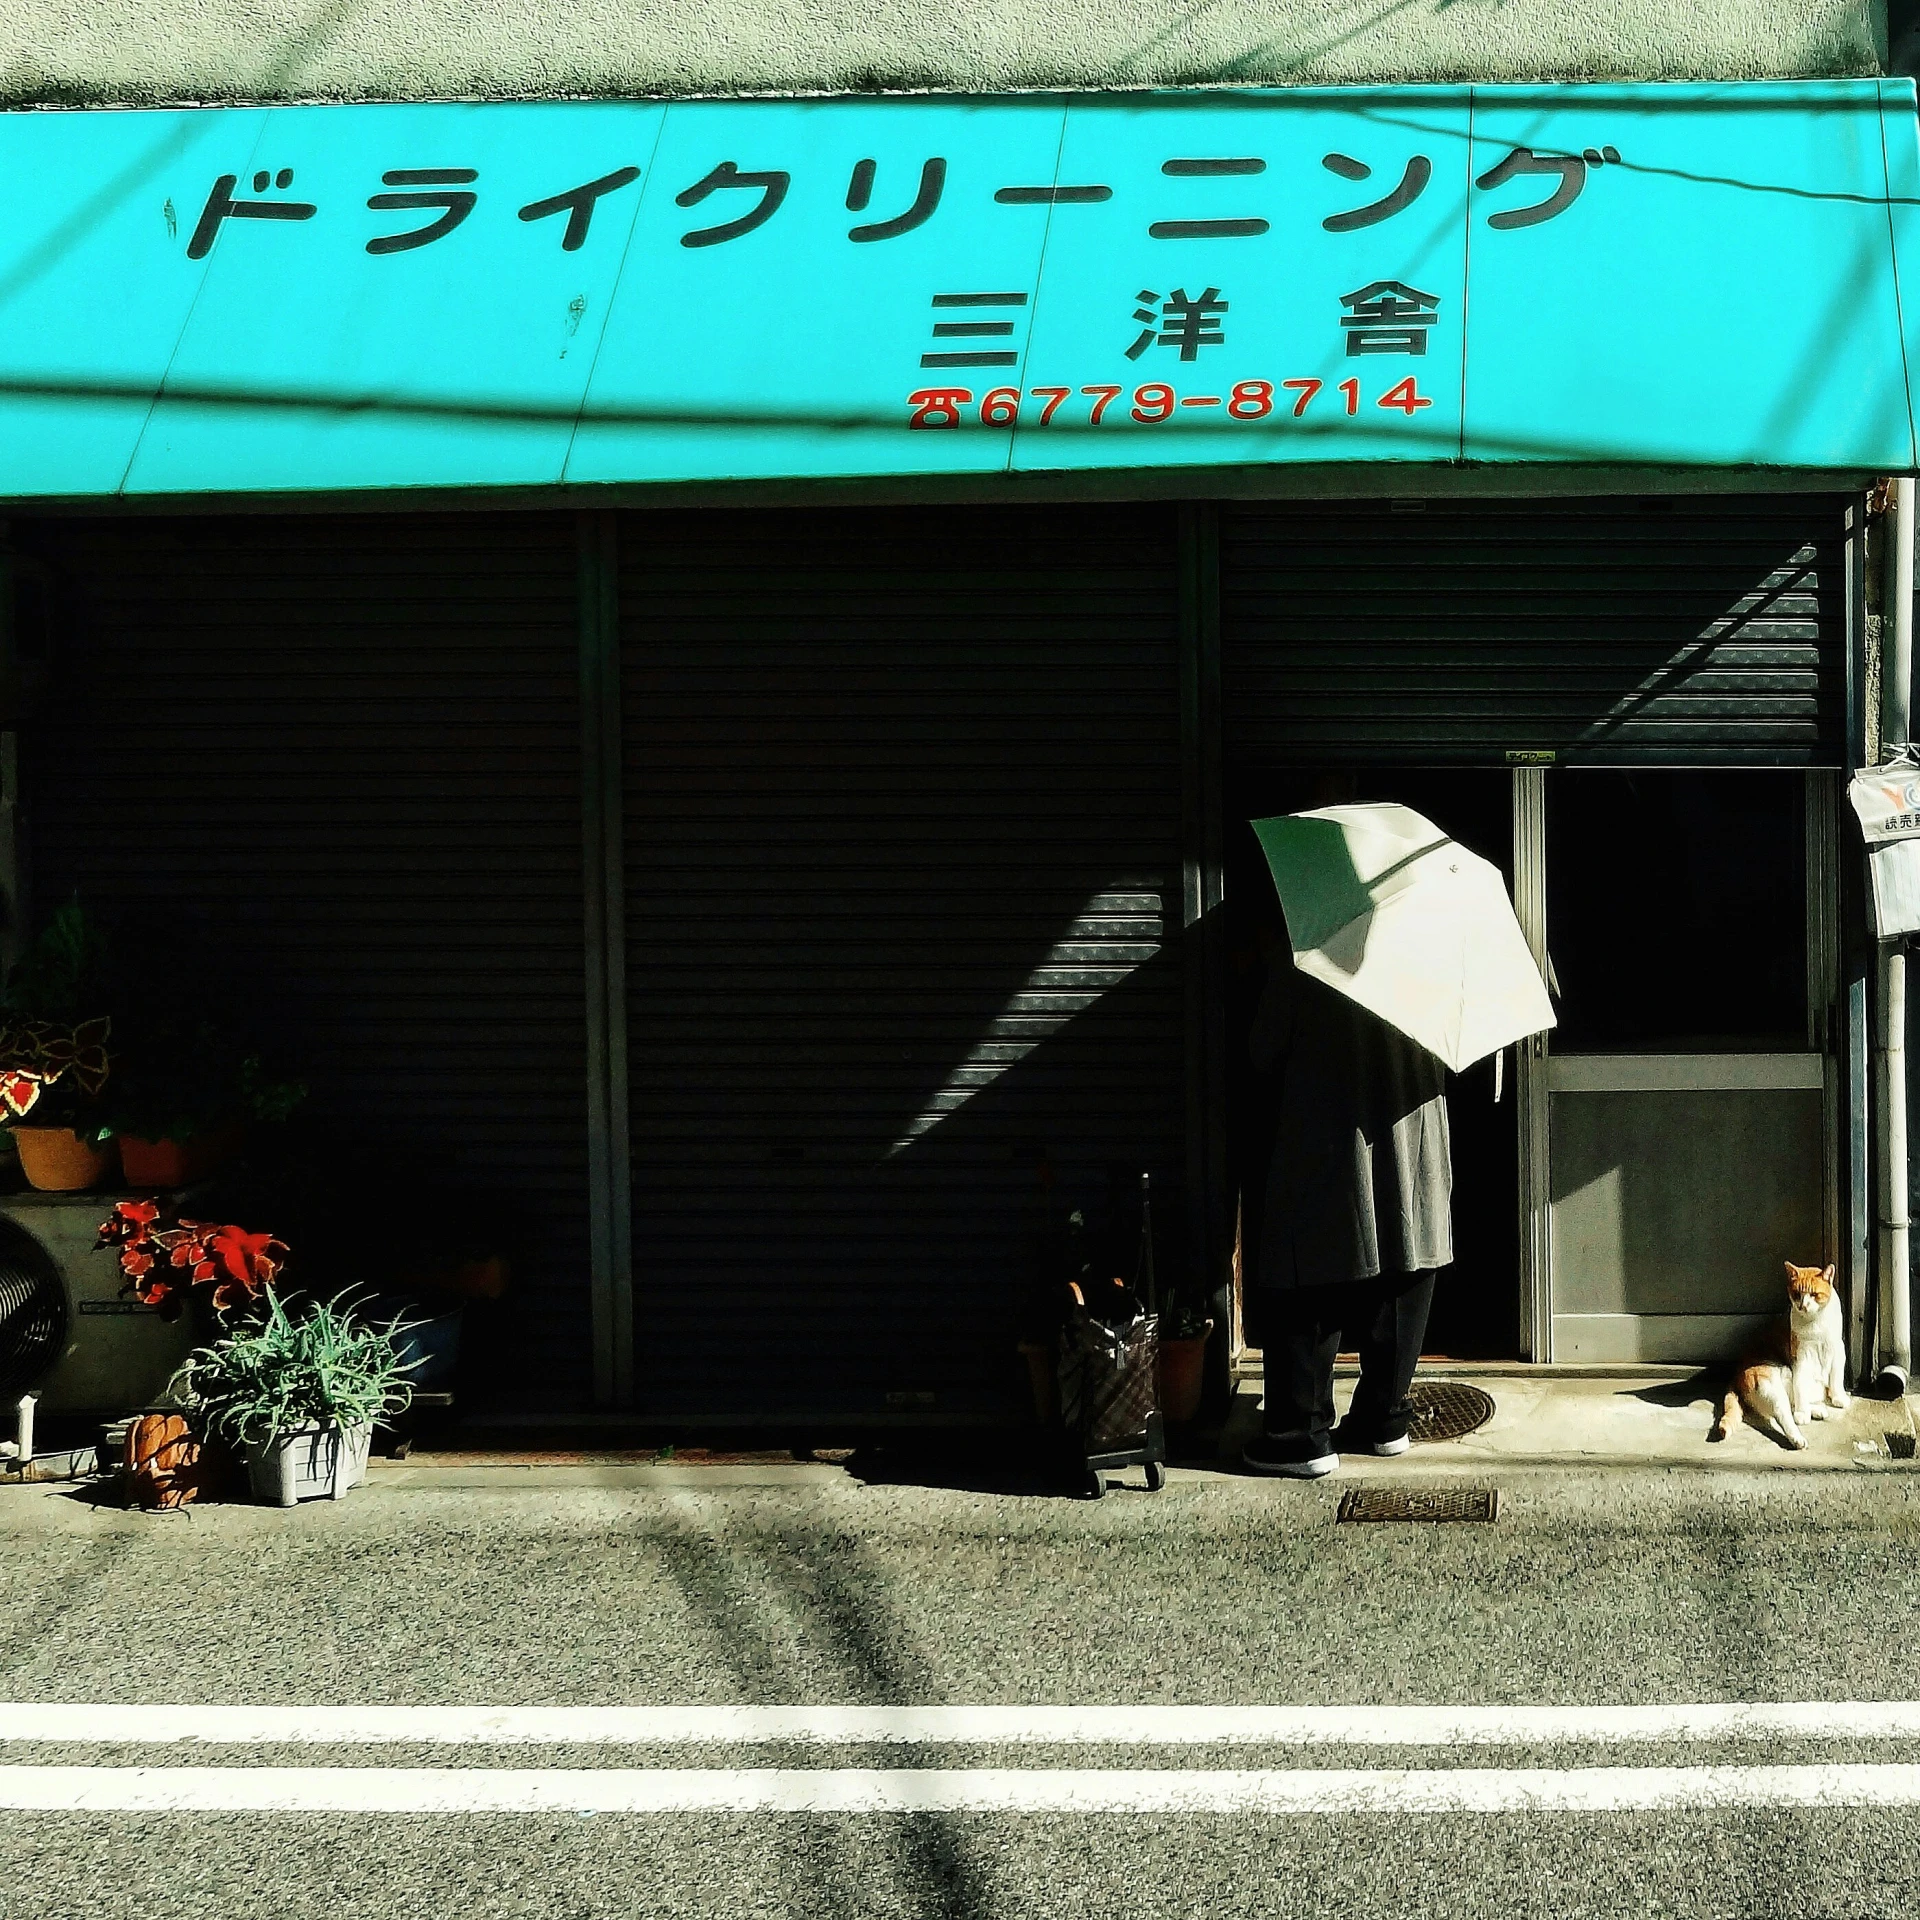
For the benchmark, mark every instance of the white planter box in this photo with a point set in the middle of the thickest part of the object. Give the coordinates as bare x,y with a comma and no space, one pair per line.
315,1463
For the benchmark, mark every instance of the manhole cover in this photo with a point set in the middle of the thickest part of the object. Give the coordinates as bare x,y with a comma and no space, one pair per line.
1420,1503
1445,1409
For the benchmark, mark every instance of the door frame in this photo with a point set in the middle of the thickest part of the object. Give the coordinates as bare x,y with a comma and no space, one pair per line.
1535,1074
1530,1073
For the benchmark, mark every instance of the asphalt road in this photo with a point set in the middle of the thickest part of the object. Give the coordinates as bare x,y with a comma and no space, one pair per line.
516,1589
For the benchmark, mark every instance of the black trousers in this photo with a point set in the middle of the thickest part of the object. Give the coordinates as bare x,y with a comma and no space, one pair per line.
1386,1319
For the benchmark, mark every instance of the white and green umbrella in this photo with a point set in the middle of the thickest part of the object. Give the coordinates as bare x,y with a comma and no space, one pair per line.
1386,909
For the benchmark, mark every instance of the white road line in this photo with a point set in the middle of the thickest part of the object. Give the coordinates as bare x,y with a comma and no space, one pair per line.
1127,1726
420,1790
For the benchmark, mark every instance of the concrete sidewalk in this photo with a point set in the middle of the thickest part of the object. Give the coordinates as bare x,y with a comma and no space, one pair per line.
1595,1419
1542,1422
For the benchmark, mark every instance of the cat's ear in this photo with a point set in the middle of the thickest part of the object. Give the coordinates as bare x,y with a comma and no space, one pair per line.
1828,1276
1790,1267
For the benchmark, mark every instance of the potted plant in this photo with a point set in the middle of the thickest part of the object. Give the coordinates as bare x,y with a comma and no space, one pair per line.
184,1092
51,1077
162,1260
163,1466
53,1055
297,1391
1185,1328
161,1263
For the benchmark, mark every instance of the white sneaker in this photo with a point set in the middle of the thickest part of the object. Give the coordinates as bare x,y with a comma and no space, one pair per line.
1255,1457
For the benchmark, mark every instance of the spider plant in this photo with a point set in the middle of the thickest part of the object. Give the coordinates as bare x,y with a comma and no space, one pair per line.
315,1365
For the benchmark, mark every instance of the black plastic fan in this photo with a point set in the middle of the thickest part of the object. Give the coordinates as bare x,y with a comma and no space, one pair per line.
33,1312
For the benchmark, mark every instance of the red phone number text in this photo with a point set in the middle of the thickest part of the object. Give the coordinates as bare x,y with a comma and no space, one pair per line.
1149,405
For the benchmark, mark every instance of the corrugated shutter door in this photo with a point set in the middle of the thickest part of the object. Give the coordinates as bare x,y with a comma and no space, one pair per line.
351,747
1607,631
902,799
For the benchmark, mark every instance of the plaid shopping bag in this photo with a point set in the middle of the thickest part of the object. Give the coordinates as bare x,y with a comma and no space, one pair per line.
1107,1376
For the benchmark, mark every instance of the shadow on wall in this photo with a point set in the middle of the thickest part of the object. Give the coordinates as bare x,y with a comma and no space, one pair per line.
903,804
1356,634
345,753
835,1280
902,812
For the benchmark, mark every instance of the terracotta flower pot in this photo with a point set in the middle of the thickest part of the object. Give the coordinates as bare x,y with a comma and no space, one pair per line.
1182,1375
163,1462
58,1160
172,1163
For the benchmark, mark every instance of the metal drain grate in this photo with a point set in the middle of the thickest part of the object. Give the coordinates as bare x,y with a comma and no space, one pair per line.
1420,1503
1445,1409
1900,1446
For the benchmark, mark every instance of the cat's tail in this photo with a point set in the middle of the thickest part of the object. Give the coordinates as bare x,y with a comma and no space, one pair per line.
1730,1415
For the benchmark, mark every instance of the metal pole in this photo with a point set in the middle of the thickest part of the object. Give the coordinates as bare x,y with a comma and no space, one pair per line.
609,1201
1896,725
1209,1271
1896,1340
1896,625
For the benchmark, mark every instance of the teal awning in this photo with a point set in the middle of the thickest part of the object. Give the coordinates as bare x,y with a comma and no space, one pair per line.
322,299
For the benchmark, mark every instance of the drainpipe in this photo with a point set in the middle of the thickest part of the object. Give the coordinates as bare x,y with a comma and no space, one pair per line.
1896,727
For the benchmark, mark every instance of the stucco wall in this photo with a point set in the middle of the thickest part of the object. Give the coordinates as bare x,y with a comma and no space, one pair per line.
99,51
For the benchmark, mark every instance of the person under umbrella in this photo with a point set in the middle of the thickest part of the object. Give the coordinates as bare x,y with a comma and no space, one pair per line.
1358,1213
1406,961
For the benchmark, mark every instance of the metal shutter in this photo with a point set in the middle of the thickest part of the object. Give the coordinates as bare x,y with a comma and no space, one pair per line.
1608,631
903,805
352,745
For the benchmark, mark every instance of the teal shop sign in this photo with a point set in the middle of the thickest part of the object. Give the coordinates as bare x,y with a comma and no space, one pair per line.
331,298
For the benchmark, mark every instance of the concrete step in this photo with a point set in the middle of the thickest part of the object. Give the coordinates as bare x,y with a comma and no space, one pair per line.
1623,1418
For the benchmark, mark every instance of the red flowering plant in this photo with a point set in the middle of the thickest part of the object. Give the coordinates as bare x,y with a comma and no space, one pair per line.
162,1260
37,1056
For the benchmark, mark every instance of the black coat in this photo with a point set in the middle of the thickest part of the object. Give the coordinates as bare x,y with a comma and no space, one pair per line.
1360,1182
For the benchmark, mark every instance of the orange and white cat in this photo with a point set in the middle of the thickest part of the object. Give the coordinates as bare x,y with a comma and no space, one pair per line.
1795,1371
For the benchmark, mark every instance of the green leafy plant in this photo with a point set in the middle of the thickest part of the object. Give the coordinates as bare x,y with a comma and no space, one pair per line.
66,974
1183,1318
53,1035
316,1364
179,1077
263,1098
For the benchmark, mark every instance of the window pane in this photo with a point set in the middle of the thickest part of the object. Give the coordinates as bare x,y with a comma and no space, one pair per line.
1676,909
